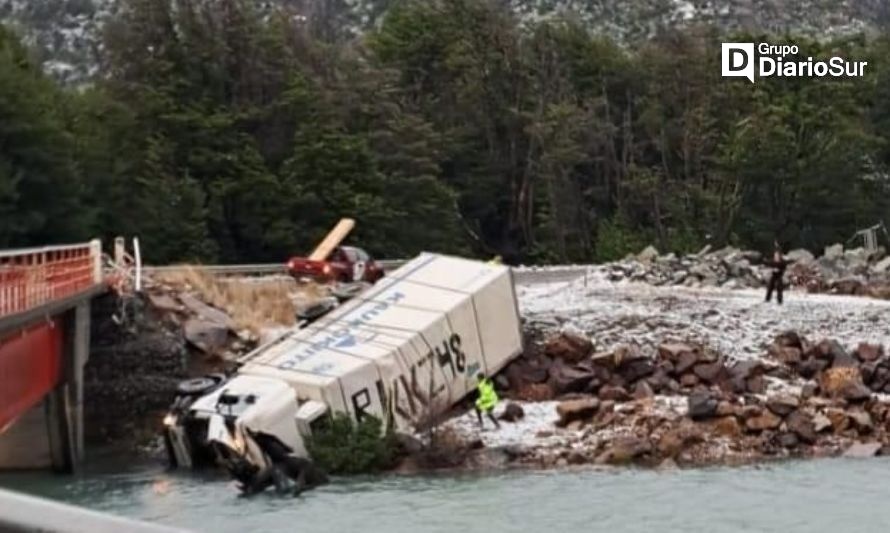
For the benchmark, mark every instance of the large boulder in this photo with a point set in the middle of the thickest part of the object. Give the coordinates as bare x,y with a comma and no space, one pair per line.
642,390
789,355
571,347
209,337
580,409
783,405
863,450
848,285
565,379
834,252
821,423
702,405
623,450
833,380
671,351
790,339
728,426
614,393
800,255
711,372
746,369
882,266
521,373
856,392
207,313
635,369
869,352
801,424
767,420
861,420
649,254
513,412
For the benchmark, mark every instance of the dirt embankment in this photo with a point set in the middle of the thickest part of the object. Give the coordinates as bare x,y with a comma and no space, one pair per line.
185,324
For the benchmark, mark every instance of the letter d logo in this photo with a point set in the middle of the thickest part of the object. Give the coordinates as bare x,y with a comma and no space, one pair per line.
738,60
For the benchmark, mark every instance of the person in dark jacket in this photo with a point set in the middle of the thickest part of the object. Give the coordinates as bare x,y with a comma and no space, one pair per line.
778,263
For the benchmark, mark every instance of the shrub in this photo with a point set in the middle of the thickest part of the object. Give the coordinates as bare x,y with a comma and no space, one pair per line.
342,446
616,238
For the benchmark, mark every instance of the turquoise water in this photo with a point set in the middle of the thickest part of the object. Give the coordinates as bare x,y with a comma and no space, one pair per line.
833,495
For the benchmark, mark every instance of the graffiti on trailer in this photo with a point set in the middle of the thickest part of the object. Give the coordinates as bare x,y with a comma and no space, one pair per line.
346,335
408,400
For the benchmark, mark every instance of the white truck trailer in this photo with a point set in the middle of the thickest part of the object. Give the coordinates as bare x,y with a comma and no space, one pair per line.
405,351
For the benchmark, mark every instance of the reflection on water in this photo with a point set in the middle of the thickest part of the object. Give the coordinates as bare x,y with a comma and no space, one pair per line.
806,496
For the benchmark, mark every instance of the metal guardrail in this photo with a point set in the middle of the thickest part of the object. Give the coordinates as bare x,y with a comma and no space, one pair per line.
22,513
32,277
251,270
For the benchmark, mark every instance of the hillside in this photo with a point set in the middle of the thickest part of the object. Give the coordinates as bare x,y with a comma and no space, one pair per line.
67,33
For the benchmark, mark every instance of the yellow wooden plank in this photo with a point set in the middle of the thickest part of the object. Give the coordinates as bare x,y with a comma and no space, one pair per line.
332,240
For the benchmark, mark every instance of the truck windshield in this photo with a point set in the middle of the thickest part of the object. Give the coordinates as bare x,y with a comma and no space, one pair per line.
234,404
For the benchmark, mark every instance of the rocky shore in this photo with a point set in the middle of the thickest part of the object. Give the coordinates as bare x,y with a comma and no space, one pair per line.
854,271
624,372
687,405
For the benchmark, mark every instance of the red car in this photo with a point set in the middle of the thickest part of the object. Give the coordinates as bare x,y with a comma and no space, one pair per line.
345,264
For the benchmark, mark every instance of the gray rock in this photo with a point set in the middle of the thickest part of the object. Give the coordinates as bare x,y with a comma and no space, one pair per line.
702,405
513,412
783,405
802,425
881,266
800,255
834,252
207,336
863,450
821,423
206,312
649,254
580,409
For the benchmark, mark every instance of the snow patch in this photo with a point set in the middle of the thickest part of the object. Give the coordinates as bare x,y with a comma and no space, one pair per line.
738,323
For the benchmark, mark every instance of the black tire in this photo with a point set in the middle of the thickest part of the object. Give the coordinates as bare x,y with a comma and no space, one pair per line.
198,386
348,291
316,310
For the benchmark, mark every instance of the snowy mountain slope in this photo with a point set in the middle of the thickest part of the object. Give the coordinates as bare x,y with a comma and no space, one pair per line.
67,33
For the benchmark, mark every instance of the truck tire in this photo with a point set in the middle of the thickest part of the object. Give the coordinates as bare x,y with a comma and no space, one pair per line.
316,310
348,291
198,386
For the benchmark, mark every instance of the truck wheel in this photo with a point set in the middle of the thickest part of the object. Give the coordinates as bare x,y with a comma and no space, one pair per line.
197,386
317,310
347,291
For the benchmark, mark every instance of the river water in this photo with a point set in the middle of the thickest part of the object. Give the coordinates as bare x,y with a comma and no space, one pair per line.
828,495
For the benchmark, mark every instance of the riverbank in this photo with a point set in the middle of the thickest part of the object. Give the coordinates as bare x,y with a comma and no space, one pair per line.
627,373
609,375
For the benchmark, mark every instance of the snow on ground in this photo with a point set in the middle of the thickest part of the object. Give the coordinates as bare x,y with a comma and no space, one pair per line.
539,417
537,429
736,322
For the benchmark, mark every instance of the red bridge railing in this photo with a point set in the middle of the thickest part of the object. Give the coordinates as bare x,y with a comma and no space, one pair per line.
30,278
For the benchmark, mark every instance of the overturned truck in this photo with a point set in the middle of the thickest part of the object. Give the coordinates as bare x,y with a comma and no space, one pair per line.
406,350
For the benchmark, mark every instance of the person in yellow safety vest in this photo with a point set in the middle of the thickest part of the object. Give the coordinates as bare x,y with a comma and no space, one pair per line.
487,399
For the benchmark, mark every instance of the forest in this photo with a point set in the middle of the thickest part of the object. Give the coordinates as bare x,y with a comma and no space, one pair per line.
220,134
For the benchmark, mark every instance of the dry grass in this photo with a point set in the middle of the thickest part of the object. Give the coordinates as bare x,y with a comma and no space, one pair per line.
252,303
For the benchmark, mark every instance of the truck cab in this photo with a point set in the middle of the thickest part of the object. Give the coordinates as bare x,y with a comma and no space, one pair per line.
232,414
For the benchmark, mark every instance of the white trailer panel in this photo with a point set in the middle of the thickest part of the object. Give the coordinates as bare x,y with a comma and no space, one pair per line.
409,347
